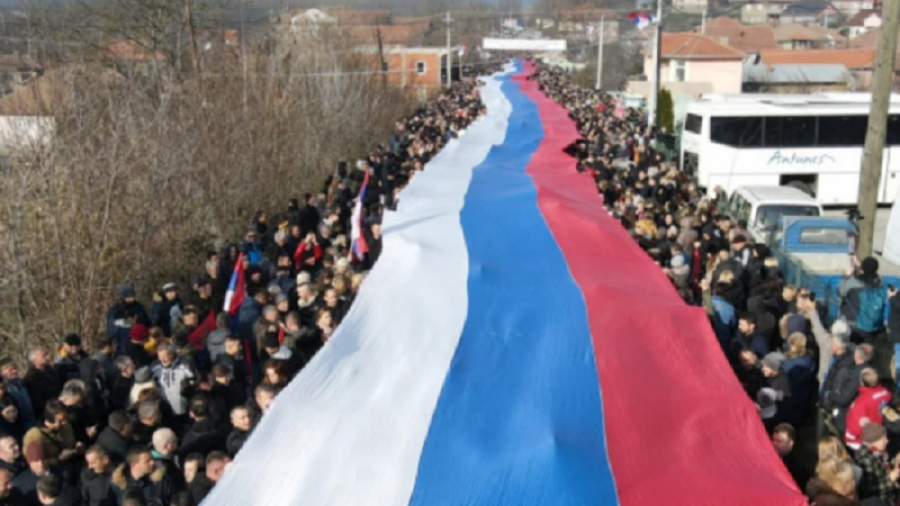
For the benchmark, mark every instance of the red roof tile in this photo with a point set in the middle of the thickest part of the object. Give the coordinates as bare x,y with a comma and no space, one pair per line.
748,39
850,58
790,31
723,21
692,45
390,34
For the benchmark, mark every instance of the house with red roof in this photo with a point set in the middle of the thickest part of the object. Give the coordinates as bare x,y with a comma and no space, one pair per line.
694,58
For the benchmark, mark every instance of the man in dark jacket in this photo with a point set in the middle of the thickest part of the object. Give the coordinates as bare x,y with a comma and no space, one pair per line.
748,338
203,483
96,484
40,380
161,311
240,420
204,436
123,314
116,437
67,366
26,482
11,456
841,383
51,491
9,496
165,446
140,472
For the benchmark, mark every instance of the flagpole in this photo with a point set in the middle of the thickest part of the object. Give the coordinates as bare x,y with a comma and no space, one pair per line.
657,48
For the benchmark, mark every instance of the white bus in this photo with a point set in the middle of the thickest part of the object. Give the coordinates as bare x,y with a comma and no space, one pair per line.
811,142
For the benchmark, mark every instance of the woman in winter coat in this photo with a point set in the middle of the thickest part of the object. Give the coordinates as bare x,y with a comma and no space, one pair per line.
800,370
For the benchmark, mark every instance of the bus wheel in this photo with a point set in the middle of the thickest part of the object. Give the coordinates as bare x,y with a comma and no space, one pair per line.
804,187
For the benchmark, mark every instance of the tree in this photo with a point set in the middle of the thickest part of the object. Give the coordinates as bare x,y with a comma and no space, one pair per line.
666,110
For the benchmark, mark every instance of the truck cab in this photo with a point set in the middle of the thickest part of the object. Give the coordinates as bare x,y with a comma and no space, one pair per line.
764,207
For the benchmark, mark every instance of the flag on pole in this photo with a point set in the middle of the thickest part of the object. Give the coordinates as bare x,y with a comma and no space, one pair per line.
359,247
641,19
234,297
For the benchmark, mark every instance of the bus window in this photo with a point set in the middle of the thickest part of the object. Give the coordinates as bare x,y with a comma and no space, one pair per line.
768,217
693,123
843,130
893,130
790,132
738,132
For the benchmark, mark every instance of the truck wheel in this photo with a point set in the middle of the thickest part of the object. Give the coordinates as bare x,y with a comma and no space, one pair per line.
800,185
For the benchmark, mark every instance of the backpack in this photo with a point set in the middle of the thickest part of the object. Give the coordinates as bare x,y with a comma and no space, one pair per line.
870,317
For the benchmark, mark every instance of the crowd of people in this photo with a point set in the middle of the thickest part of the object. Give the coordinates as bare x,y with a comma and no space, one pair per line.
156,413
831,385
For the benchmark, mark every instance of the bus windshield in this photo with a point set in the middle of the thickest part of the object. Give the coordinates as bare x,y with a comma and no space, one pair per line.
769,216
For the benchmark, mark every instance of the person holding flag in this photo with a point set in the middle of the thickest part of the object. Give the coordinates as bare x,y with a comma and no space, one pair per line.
358,245
234,300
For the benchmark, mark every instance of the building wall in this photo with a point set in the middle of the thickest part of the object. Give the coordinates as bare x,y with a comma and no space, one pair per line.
725,76
722,76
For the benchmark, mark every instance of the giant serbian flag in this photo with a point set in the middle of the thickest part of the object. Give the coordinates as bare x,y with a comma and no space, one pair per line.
512,346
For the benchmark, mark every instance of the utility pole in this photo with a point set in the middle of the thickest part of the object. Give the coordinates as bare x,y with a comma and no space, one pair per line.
703,20
657,48
600,53
870,175
449,54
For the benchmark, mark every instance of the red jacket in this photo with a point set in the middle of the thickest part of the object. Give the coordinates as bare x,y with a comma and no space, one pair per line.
867,405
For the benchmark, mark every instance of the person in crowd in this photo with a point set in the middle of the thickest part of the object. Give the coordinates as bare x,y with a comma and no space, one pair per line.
779,384
799,367
866,408
140,472
55,435
149,418
40,379
841,382
126,312
242,425
164,453
9,496
15,388
174,378
834,484
70,356
784,438
11,456
136,346
96,478
166,308
105,356
748,338
115,438
38,466
215,467
204,434
879,477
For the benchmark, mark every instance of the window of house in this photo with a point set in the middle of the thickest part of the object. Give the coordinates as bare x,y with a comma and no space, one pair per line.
420,67
680,70
384,66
